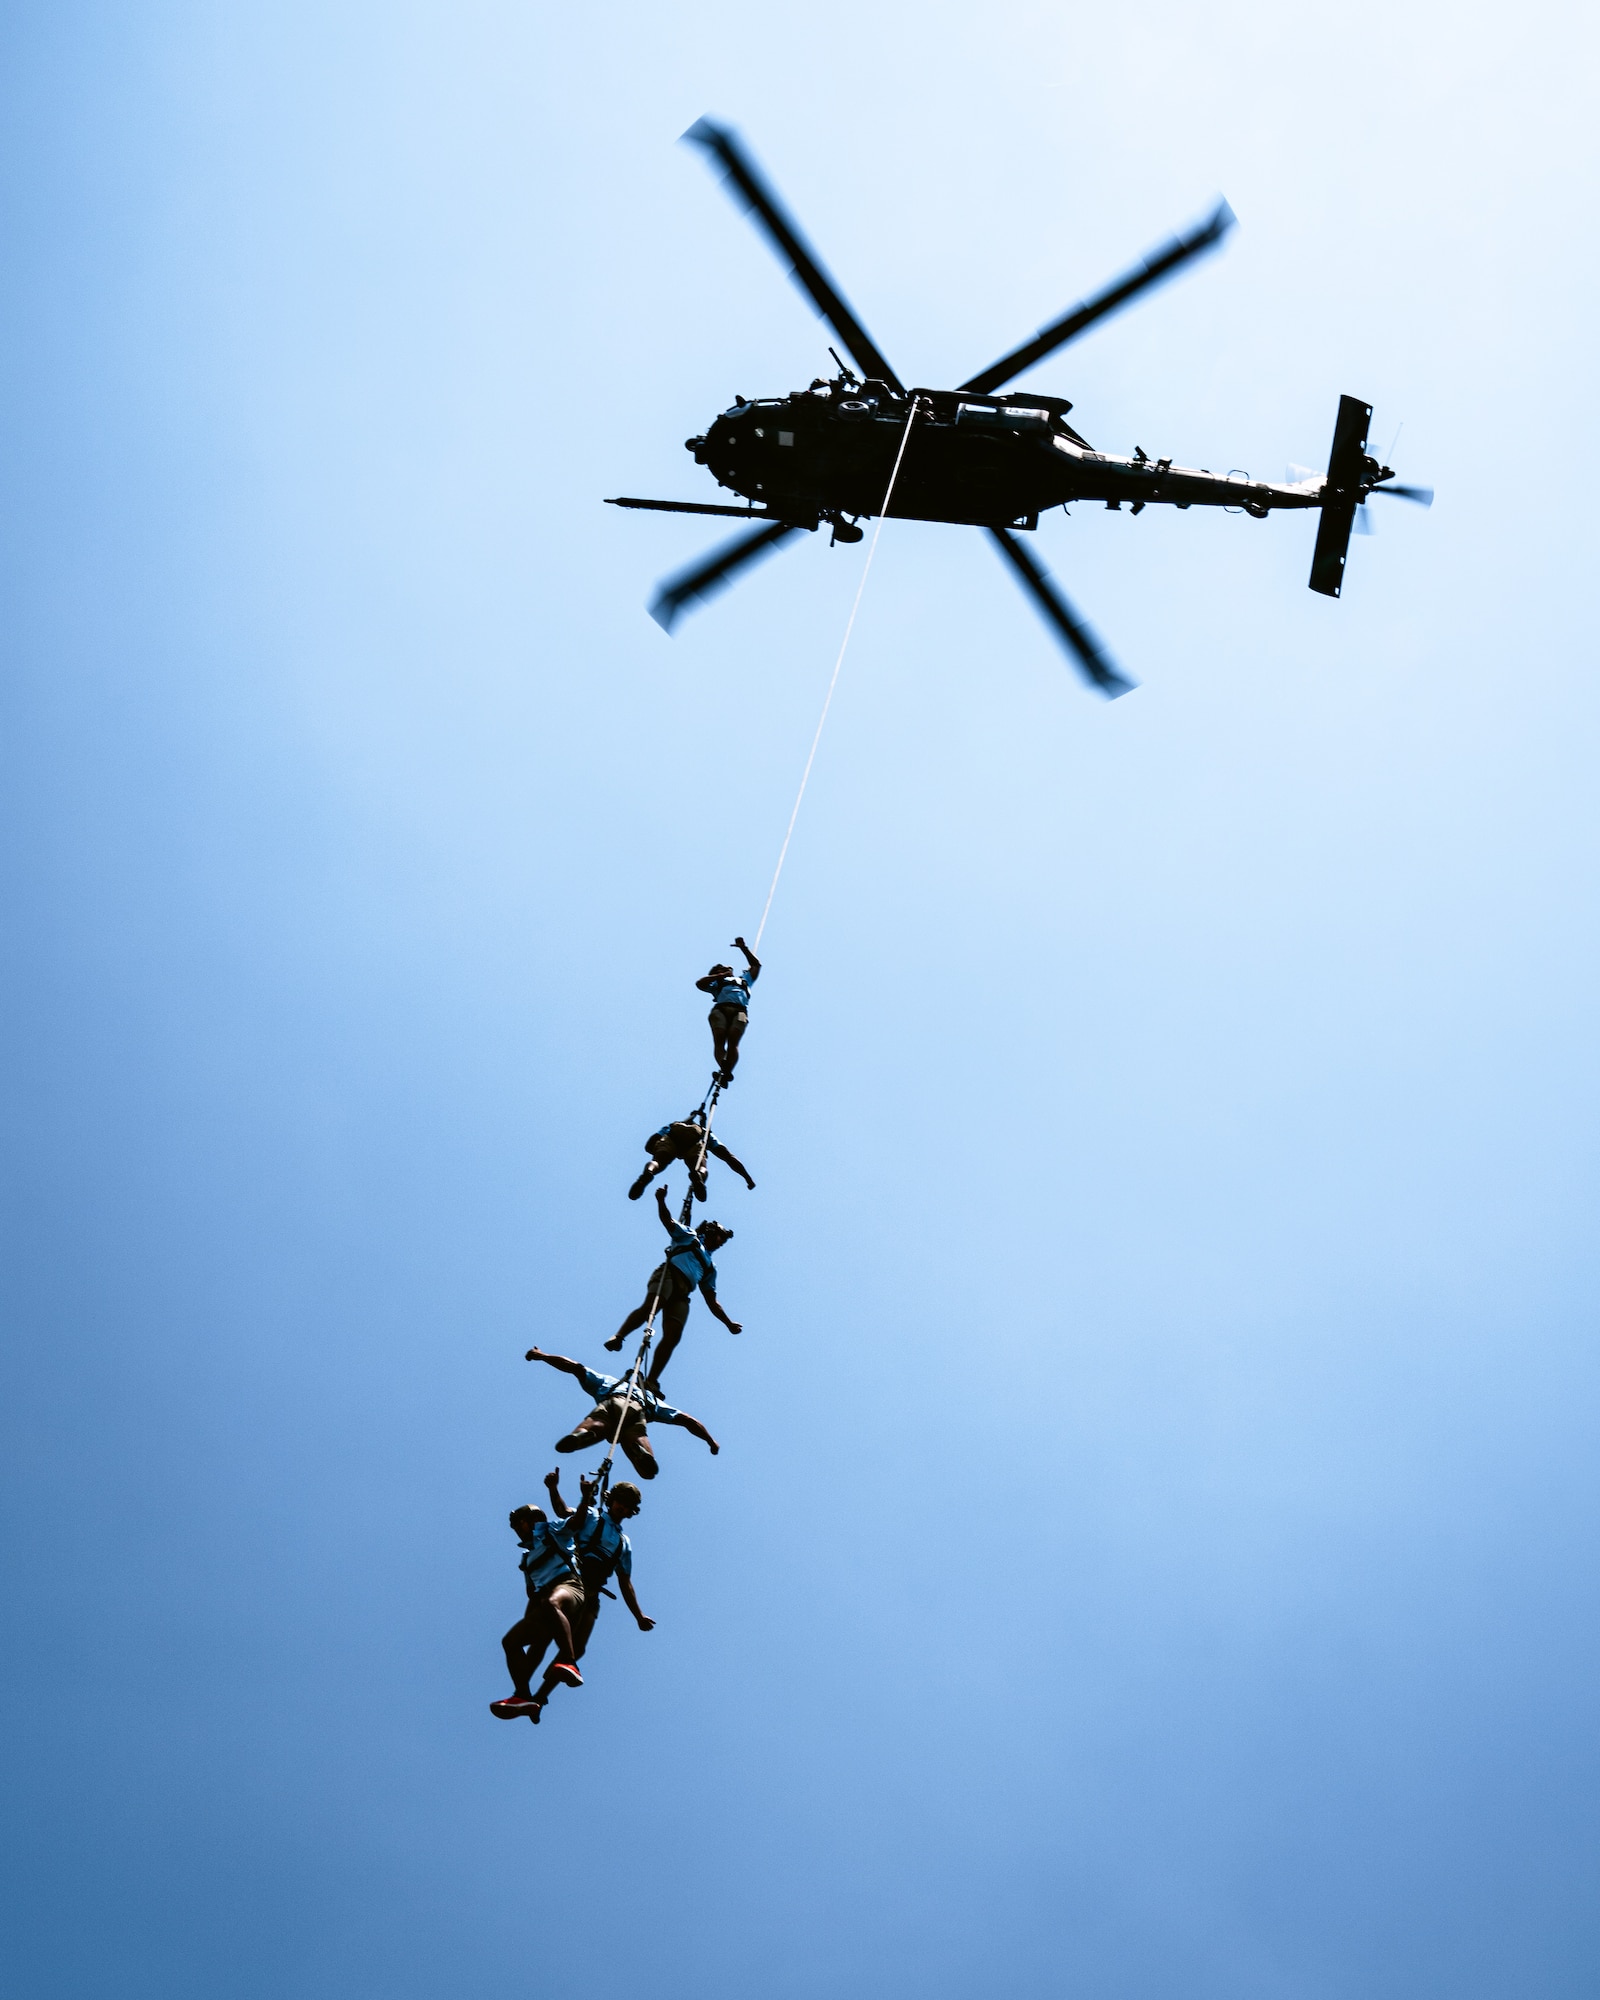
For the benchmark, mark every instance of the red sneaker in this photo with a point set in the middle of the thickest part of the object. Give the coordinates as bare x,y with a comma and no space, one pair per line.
567,1673
511,1707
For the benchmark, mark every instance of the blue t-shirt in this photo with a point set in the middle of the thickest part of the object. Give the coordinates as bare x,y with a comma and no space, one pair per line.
599,1544
651,1407
690,1256
544,1556
734,991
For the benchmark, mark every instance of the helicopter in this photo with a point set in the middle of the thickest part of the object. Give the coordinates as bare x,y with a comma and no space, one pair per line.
861,445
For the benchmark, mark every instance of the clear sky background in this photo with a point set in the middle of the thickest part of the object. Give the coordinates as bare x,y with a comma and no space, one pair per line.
1153,1551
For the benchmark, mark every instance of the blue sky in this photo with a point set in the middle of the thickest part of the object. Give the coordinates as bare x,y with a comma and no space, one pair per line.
1153,1547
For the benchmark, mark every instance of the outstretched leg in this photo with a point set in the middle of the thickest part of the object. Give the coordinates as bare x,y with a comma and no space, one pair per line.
674,1314
640,1316
517,1646
652,1168
636,1445
564,1604
524,1647
593,1430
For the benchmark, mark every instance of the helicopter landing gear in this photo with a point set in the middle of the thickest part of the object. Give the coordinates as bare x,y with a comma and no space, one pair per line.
843,530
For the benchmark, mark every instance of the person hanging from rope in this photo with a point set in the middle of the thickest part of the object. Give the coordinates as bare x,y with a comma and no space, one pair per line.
616,1403
673,1284
555,1600
686,1139
730,1010
589,1546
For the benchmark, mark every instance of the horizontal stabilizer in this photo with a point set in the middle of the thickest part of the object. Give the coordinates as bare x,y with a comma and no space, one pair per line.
1333,543
1341,494
695,507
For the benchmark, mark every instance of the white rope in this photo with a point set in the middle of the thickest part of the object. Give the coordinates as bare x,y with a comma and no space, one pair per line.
633,1381
866,570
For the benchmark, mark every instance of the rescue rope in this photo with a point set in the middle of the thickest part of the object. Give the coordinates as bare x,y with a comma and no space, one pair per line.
708,1110
604,1474
850,626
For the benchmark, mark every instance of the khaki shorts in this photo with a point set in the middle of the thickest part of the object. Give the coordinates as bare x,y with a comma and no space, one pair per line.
575,1605
726,1017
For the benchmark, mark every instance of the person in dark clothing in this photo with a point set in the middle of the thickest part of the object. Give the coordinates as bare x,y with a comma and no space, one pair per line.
686,1139
730,1009
672,1285
621,1413
592,1547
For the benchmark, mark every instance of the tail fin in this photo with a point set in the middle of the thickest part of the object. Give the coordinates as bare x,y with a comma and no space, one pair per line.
1341,494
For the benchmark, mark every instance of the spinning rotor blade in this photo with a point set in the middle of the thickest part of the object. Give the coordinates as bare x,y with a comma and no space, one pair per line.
803,263
1080,641
1422,495
716,572
1159,265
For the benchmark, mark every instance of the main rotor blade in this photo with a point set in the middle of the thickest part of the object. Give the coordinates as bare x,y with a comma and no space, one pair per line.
1158,266
1081,642
716,572
1423,495
804,266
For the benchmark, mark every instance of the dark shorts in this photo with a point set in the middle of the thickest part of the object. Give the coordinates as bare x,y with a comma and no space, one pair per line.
668,1285
725,1017
602,1420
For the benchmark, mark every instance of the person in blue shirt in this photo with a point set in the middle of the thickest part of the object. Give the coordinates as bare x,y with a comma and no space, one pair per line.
730,1009
672,1285
615,1404
545,1562
686,1139
591,1548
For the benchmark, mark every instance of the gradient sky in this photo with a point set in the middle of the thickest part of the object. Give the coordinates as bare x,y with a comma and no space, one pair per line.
1153,1551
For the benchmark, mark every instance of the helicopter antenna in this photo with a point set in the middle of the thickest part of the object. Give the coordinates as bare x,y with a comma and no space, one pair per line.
849,374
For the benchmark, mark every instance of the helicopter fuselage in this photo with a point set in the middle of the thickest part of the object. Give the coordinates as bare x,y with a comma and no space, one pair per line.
827,452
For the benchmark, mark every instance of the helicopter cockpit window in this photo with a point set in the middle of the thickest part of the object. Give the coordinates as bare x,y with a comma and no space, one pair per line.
1004,419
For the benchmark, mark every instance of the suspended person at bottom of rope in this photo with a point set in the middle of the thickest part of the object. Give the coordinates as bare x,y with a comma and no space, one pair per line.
566,1569
672,1285
686,1139
730,1009
550,1618
615,1403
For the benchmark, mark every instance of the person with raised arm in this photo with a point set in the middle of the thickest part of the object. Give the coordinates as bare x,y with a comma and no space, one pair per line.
567,1569
688,1268
730,1009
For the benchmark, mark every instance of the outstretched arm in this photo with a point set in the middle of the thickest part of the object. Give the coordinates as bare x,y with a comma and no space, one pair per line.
625,1585
552,1486
715,1304
662,1209
555,1360
718,1151
697,1429
755,963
